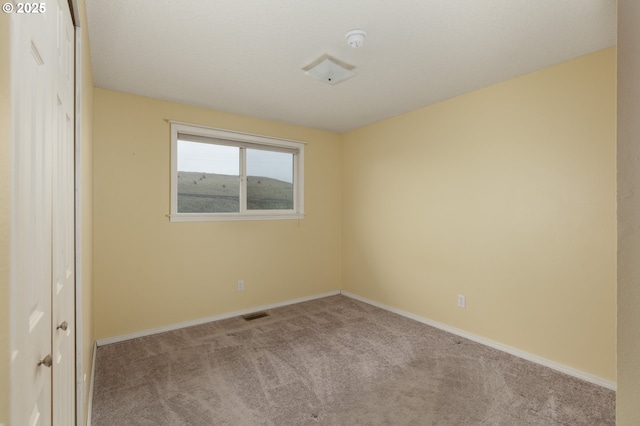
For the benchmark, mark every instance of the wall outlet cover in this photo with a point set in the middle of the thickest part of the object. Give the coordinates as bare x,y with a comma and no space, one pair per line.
462,301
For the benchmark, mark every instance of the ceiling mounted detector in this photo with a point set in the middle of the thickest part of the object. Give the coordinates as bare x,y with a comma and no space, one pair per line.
328,70
355,38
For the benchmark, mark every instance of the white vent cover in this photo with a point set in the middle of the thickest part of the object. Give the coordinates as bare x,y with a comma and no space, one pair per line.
329,72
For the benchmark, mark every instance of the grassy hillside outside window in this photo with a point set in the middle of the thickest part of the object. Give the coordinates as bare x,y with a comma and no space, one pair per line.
223,175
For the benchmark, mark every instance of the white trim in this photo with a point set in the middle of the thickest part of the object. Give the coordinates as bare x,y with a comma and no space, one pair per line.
492,344
223,217
217,132
91,382
78,219
143,333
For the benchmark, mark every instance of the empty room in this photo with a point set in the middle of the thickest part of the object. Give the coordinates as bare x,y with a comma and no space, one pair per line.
290,212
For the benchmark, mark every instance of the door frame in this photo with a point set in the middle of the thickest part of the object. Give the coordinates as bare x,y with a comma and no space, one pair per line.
81,380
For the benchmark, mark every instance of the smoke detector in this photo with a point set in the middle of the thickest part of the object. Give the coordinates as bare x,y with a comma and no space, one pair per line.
355,38
328,70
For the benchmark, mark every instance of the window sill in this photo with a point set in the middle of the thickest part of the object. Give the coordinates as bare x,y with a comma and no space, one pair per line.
224,217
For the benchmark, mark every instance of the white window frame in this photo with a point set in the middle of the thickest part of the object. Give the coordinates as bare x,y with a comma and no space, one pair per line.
244,141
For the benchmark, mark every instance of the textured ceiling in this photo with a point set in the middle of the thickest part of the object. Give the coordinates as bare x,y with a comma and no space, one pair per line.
247,56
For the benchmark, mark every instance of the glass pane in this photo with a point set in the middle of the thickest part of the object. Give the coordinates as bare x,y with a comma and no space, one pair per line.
208,178
269,180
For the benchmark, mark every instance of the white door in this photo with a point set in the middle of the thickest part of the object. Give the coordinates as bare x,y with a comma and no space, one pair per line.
38,210
62,292
31,220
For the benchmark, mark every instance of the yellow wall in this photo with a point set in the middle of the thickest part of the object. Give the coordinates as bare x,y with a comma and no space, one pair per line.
5,213
149,272
86,193
505,195
628,395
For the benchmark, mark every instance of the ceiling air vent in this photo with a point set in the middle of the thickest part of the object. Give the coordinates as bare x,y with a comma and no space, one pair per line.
329,71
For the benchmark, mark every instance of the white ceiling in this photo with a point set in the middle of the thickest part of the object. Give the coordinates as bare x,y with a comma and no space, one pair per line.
246,56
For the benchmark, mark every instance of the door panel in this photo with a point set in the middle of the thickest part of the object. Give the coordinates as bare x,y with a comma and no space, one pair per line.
63,301
31,220
42,221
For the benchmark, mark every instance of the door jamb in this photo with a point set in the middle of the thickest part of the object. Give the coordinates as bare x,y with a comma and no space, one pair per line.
79,367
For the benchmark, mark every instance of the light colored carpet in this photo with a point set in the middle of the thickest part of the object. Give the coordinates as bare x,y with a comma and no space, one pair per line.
332,361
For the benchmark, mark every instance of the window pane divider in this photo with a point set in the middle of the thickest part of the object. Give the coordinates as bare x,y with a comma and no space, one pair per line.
243,181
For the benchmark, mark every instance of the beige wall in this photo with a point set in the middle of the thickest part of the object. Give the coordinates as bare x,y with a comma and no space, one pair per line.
5,213
628,395
149,272
86,208
505,195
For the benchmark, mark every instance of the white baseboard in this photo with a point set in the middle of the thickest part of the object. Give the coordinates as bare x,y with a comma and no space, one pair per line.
122,338
487,342
93,375
493,344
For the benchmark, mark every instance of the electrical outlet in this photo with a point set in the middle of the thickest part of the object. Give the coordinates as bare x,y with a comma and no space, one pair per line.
240,285
462,301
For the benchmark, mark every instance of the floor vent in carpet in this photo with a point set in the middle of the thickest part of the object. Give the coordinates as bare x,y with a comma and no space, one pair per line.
255,316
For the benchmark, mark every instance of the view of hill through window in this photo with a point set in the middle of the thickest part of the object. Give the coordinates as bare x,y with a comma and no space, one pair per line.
209,179
215,193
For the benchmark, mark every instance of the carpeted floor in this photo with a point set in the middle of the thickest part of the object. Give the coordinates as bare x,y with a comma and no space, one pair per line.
332,361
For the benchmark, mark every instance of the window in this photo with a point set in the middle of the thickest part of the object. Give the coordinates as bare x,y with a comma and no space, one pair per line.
223,175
